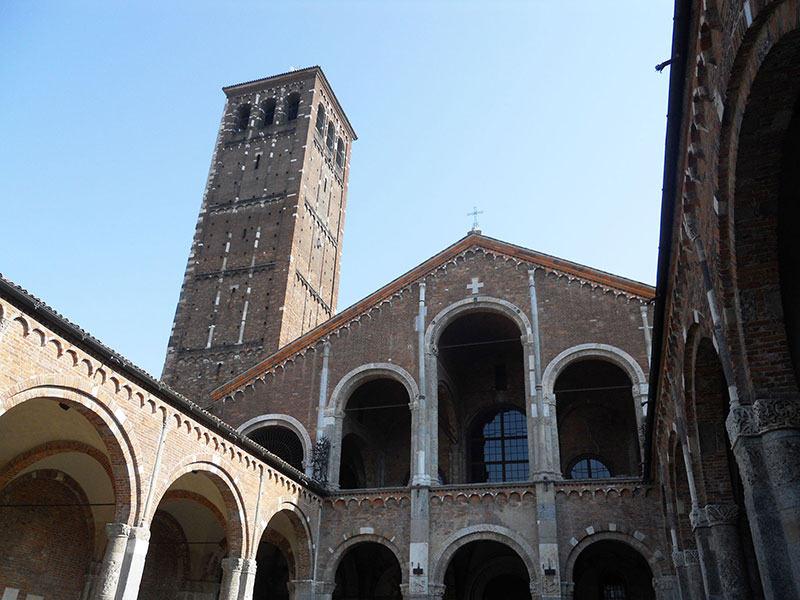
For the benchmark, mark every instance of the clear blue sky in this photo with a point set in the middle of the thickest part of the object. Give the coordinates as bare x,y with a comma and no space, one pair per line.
546,115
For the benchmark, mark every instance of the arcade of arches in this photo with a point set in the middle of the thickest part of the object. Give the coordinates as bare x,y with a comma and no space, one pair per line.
477,428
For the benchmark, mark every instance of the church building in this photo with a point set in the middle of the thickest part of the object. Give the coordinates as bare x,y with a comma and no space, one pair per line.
494,423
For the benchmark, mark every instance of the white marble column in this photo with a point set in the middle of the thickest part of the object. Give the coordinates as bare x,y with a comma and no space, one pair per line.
231,578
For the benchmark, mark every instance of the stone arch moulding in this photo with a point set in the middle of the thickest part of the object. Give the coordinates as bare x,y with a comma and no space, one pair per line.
329,572
279,420
605,352
107,416
476,304
348,384
486,533
651,557
300,523
237,527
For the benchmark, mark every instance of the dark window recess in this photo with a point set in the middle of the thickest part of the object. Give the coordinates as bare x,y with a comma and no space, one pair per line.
499,448
589,468
243,117
292,106
269,112
321,120
282,442
330,136
500,378
258,160
340,153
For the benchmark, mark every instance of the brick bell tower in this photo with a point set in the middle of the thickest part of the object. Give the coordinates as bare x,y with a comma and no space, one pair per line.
264,263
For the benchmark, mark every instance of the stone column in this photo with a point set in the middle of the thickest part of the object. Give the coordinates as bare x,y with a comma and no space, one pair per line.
567,590
324,590
549,574
90,580
705,553
301,589
419,543
664,587
690,577
722,519
231,578
766,442
123,564
248,579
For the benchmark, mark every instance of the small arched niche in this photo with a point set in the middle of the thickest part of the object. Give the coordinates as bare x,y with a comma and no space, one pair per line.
597,428
482,422
376,436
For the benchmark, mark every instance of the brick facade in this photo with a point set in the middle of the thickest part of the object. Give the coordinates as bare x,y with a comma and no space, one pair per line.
449,422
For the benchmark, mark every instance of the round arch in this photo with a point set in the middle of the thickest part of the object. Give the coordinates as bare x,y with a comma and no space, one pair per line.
236,522
604,352
750,191
299,522
469,305
492,533
329,572
616,536
107,418
280,420
348,384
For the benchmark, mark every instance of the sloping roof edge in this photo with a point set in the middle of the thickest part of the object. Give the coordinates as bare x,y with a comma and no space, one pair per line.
472,239
29,303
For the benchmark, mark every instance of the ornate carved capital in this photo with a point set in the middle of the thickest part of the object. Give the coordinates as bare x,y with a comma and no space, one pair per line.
140,533
741,421
116,530
678,559
249,565
722,514
777,413
232,564
551,585
324,587
691,557
698,517
666,582
436,590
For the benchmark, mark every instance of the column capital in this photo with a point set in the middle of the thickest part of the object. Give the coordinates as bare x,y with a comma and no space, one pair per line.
118,530
436,590
722,514
249,565
777,413
697,517
664,582
232,564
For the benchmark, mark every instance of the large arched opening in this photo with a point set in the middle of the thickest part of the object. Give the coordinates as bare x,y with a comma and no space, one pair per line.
62,472
597,423
368,571
485,570
612,570
375,449
764,209
191,532
720,484
482,429
283,556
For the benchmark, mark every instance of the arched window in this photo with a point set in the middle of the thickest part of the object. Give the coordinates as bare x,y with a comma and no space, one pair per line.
269,112
339,153
499,447
243,117
331,134
292,106
589,467
321,120
282,442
